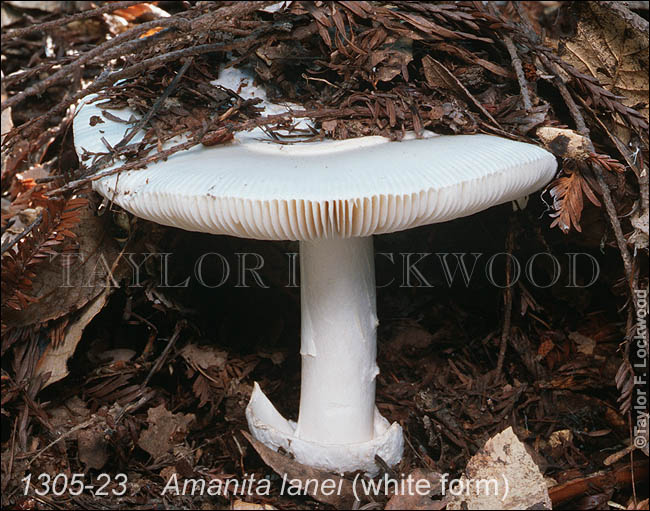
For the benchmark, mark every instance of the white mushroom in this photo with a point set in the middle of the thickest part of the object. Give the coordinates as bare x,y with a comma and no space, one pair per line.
332,196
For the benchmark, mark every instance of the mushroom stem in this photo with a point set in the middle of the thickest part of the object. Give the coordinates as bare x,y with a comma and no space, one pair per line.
339,341
339,428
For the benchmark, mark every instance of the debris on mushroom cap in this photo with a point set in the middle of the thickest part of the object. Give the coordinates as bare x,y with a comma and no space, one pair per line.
357,187
242,82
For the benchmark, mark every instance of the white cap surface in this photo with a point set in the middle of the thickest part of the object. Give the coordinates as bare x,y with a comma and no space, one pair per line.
260,189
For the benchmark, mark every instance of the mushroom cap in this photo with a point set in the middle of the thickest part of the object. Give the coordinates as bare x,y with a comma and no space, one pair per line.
260,189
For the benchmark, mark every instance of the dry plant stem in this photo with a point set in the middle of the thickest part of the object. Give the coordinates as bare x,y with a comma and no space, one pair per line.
523,15
90,422
27,230
128,166
521,77
108,80
202,23
142,66
133,46
134,406
641,173
616,226
161,359
645,189
237,10
170,88
93,175
507,298
566,96
25,74
581,126
66,72
43,27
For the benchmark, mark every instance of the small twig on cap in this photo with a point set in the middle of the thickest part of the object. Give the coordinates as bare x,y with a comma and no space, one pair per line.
94,174
128,166
156,106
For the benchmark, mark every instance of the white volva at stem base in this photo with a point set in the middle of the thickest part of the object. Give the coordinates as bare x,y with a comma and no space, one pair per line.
339,427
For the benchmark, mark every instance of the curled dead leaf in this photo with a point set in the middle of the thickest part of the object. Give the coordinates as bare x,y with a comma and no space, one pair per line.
55,357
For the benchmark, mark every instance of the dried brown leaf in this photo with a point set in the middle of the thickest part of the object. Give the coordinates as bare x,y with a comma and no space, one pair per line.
63,281
201,389
566,192
165,430
607,49
54,359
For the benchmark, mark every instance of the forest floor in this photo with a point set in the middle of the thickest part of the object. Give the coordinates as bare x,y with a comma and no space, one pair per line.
128,369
